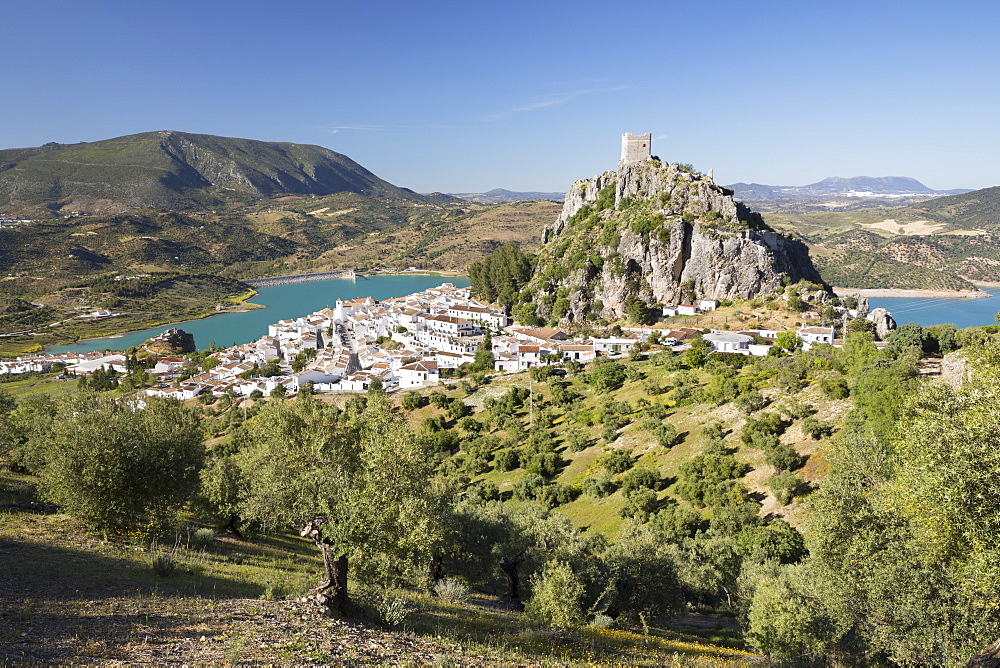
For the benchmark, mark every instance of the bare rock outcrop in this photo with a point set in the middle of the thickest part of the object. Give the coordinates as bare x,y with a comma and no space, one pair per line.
172,342
660,234
883,322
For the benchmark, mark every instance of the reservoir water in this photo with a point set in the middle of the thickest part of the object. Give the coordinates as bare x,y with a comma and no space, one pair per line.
282,301
934,311
298,299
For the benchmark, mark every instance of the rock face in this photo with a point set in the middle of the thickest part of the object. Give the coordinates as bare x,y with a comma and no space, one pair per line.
657,233
883,322
172,341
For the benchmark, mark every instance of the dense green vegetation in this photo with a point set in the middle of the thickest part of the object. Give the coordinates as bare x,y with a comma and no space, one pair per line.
835,502
500,276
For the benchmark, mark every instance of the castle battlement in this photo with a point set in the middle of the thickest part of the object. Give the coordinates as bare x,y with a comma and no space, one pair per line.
636,148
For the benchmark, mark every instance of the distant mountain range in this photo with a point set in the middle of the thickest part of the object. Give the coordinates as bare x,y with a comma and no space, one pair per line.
837,192
175,170
499,196
857,186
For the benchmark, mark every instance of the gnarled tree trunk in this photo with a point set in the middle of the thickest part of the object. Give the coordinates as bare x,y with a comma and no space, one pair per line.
331,592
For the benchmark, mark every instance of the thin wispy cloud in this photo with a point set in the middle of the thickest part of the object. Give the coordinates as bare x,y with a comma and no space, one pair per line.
334,129
550,101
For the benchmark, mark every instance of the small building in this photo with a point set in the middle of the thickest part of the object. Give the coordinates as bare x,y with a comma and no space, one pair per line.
115,362
418,374
687,309
708,304
579,352
614,345
729,342
813,335
452,326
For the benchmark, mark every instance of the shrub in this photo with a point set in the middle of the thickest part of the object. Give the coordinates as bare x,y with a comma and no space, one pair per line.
751,402
640,504
640,478
412,400
796,409
557,494
528,487
785,486
713,431
707,479
545,463
768,423
666,435
393,610
677,523
816,428
203,537
576,440
598,486
507,460
617,462
784,458
164,564
601,621
607,375
452,590
834,388
272,592
557,601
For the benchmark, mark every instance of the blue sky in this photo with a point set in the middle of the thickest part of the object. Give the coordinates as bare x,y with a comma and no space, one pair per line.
468,96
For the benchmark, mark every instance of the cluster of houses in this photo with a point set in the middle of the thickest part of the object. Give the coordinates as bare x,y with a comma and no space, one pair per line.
405,342
703,306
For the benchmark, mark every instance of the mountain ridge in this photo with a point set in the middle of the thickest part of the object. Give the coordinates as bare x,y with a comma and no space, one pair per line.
170,169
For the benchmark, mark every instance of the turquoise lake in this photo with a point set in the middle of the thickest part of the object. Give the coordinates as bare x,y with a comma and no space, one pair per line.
282,301
926,311
298,299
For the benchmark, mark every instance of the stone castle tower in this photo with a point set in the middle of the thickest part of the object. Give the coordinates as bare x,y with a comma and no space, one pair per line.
636,148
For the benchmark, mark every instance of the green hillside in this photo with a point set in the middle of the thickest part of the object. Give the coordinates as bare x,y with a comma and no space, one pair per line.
663,508
174,170
947,243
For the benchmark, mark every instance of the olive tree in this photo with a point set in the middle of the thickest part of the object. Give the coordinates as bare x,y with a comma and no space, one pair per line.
115,464
357,485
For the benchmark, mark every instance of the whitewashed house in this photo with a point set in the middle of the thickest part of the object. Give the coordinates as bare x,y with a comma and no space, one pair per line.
729,342
813,335
418,374
614,345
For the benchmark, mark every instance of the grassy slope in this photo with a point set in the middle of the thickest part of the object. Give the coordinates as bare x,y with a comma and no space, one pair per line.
602,514
946,243
73,598
132,615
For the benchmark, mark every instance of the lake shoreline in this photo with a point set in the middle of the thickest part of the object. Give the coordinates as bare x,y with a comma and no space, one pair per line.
272,303
169,325
894,292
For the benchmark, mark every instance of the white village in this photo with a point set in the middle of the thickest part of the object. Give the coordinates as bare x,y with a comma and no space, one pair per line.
399,343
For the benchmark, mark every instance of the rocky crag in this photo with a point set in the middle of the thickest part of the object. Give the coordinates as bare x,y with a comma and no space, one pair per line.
172,342
653,233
